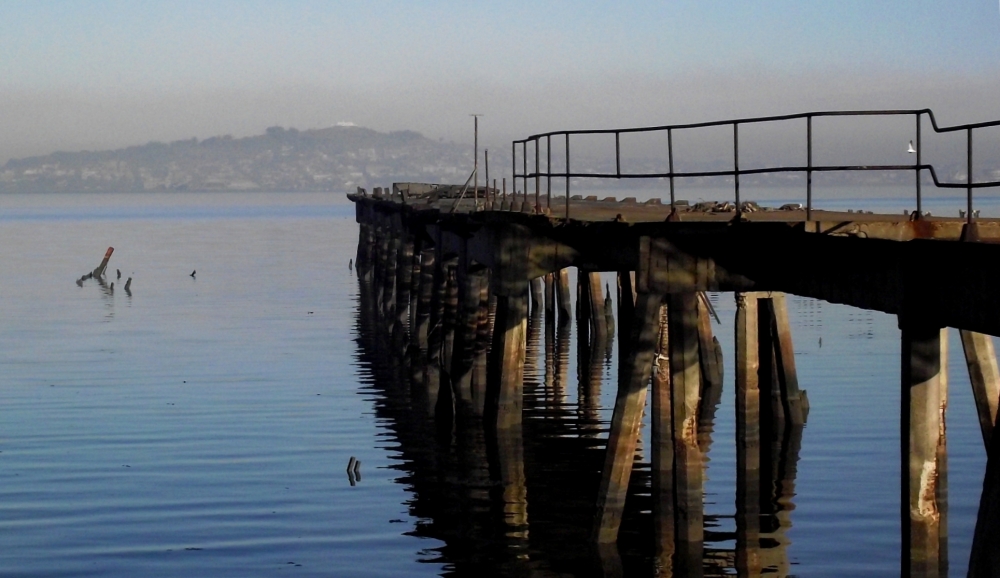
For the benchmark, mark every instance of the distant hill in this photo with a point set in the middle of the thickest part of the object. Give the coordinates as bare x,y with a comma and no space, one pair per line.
331,159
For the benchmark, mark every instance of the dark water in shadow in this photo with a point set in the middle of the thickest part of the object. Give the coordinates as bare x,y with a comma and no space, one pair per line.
202,426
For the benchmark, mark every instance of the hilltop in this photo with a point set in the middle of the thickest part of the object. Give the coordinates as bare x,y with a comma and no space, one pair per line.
338,158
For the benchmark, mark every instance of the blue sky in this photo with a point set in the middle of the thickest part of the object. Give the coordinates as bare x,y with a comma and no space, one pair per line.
96,74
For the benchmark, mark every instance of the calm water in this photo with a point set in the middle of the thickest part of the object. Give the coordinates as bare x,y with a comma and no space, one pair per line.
202,425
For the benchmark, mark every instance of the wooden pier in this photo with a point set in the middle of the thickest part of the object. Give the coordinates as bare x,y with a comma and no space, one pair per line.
458,279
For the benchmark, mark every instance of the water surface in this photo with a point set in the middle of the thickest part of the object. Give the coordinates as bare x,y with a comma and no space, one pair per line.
202,425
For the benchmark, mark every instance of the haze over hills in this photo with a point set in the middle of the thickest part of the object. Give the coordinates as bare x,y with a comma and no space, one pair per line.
338,158
341,158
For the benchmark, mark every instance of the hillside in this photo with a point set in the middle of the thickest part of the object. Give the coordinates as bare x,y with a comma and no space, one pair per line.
331,159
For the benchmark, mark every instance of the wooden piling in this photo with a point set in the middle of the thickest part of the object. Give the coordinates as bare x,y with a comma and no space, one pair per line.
598,323
662,440
563,296
583,300
550,295
984,561
609,314
796,403
747,436
942,458
982,362
711,365
414,290
685,380
484,335
921,406
710,358
450,320
467,330
537,293
626,419
626,313
506,361
425,296
435,335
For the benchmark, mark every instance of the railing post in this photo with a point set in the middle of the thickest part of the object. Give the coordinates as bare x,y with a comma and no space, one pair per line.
524,175
968,179
736,164
670,159
919,149
618,155
548,171
567,176
809,164
538,179
513,171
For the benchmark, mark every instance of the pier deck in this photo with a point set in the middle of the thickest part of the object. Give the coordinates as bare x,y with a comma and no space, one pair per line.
452,281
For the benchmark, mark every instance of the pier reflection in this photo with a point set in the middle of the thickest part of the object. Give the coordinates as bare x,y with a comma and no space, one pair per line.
508,478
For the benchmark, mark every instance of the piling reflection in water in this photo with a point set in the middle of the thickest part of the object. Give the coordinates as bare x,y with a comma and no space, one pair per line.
511,467
509,475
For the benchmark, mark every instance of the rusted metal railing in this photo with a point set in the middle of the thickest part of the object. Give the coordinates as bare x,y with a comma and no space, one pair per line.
735,172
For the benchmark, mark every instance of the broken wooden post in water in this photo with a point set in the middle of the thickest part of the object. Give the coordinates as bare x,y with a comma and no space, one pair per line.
99,271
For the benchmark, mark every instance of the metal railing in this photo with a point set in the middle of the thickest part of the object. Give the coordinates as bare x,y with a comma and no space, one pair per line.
735,172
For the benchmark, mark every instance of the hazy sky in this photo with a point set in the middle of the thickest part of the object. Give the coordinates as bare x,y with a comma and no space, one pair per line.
103,74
